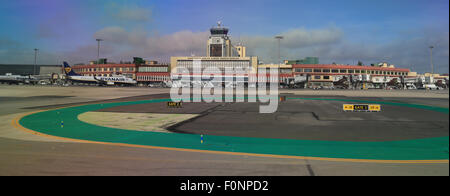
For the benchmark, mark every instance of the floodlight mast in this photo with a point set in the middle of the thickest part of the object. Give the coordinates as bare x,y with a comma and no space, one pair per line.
279,38
431,59
35,60
98,49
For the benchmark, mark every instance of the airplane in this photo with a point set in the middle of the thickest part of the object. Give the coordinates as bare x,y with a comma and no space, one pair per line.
100,80
17,79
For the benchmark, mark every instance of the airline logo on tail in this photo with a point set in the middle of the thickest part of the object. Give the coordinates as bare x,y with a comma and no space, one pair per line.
69,70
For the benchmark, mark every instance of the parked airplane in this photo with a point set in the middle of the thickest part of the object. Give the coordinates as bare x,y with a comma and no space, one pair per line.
101,80
17,79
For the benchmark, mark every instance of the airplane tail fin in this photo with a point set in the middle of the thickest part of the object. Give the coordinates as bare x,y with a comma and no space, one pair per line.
68,70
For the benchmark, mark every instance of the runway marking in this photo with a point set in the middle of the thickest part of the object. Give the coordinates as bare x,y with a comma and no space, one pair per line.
16,124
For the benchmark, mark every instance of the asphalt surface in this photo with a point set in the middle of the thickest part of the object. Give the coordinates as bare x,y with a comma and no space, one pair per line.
18,157
305,119
319,120
22,153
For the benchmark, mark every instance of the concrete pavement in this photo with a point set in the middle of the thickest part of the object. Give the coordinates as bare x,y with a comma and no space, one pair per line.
24,154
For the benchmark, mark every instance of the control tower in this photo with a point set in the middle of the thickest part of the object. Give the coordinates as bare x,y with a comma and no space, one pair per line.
219,44
220,54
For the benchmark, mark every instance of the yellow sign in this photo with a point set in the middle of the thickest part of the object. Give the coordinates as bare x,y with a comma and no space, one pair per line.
348,107
375,108
172,104
361,107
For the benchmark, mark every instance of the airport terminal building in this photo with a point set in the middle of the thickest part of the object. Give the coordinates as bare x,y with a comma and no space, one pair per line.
106,69
152,72
143,72
221,55
327,75
27,69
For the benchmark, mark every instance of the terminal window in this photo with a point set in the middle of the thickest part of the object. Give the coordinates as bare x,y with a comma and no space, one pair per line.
216,50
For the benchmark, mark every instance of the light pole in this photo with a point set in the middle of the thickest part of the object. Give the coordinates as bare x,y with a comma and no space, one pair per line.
279,38
35,60
431,60
98,49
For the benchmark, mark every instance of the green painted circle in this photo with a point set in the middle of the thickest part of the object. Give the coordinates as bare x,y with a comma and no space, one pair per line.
49,122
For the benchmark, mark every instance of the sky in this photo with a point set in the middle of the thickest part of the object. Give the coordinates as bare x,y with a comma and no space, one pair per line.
341,31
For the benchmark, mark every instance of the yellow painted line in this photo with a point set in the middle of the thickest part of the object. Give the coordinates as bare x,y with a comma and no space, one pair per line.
16,124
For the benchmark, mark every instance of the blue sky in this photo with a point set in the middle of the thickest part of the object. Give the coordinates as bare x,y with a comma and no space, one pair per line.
342,31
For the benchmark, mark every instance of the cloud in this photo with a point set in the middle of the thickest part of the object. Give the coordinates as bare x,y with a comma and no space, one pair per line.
300,38
26,56
140,43
333,45
6,43
129,13
294,44
12,51
182,42
46,30
133,14
415,52
113,34
330,44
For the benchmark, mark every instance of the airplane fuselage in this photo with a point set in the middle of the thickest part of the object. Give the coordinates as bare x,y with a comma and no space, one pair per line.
108,80
16,79
102,80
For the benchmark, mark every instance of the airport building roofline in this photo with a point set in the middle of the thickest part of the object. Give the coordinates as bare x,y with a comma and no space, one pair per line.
331,66
211,58
105,65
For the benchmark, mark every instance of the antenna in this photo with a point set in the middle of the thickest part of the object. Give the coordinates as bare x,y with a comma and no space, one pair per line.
239,38
219,22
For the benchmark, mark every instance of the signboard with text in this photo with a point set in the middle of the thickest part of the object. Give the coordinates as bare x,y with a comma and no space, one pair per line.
172,104
361,108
